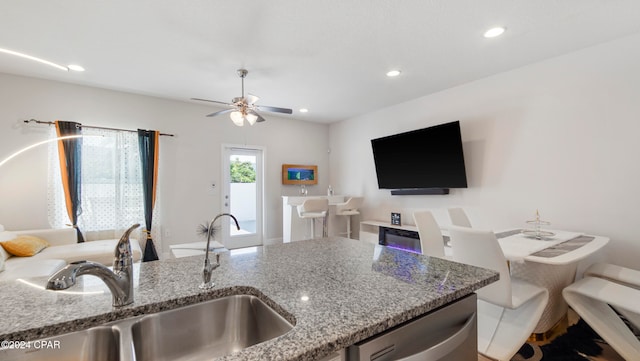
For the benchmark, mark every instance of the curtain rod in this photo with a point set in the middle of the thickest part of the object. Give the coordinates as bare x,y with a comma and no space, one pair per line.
89,126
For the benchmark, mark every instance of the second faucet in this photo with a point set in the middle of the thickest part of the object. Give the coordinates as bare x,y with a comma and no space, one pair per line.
208,267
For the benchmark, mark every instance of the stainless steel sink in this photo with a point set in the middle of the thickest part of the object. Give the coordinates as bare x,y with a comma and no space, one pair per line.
208,329
97,343
196,332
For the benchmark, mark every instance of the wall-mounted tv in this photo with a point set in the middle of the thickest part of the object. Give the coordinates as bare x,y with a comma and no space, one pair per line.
423,161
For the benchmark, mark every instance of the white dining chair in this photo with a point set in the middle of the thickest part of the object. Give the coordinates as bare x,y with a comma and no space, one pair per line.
431,242
348,209
459,217
312,209
606,292
622,275
509,309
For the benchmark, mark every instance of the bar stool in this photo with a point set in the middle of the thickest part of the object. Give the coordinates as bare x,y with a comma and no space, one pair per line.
349,208
312,209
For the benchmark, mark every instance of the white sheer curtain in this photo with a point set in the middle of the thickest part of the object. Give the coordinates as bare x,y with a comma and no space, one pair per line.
112,195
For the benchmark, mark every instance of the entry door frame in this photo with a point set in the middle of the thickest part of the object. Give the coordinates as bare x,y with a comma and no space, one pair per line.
239,241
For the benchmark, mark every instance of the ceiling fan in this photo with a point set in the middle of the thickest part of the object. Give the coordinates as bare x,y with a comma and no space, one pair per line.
244,107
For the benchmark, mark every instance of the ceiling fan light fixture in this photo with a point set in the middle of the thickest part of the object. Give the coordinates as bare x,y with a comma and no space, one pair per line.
237,118
251,118
245,107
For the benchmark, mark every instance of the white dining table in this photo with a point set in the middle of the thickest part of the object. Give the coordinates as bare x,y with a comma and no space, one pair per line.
561,248
550,262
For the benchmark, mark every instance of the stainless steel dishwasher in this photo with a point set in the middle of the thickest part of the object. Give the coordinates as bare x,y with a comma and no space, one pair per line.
448,334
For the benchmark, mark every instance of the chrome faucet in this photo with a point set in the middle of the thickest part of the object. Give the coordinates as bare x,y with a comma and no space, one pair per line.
208,267
119,281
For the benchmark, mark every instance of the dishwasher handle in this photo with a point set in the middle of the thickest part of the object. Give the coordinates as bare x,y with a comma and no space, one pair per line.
445,347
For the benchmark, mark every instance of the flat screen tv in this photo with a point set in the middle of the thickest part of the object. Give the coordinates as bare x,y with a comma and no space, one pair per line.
423,161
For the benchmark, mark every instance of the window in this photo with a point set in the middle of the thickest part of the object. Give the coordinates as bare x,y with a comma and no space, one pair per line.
112,195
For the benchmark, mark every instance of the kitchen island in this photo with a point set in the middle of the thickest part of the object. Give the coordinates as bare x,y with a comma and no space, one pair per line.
335,291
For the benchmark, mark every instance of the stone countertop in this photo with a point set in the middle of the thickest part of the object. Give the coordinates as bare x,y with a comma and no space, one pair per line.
355,290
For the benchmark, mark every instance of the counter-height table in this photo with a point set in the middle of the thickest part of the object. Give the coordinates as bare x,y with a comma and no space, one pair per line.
295,228
550,262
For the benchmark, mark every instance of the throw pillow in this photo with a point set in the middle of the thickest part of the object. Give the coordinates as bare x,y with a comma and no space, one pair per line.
24,246
5,236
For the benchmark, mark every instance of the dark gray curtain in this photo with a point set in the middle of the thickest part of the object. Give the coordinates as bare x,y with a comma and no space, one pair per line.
70,154
148,144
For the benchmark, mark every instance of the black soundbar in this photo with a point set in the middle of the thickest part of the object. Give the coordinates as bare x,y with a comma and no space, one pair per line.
419,191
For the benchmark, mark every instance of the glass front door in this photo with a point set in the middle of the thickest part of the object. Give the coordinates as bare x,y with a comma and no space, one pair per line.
242,197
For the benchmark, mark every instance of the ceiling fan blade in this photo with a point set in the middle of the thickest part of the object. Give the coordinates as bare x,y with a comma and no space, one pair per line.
274,109
221,112
211,101
260,118
251,99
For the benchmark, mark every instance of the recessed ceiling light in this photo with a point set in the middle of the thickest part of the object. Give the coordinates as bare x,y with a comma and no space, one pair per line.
304,110
493,32
393,73
75,67
22,55
304,298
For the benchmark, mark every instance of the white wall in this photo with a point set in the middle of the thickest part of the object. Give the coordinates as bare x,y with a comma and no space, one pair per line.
561,136
190,162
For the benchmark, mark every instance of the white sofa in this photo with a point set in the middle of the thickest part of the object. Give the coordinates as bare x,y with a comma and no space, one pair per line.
63,249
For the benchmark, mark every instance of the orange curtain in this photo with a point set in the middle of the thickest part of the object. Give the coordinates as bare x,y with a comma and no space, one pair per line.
70,155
